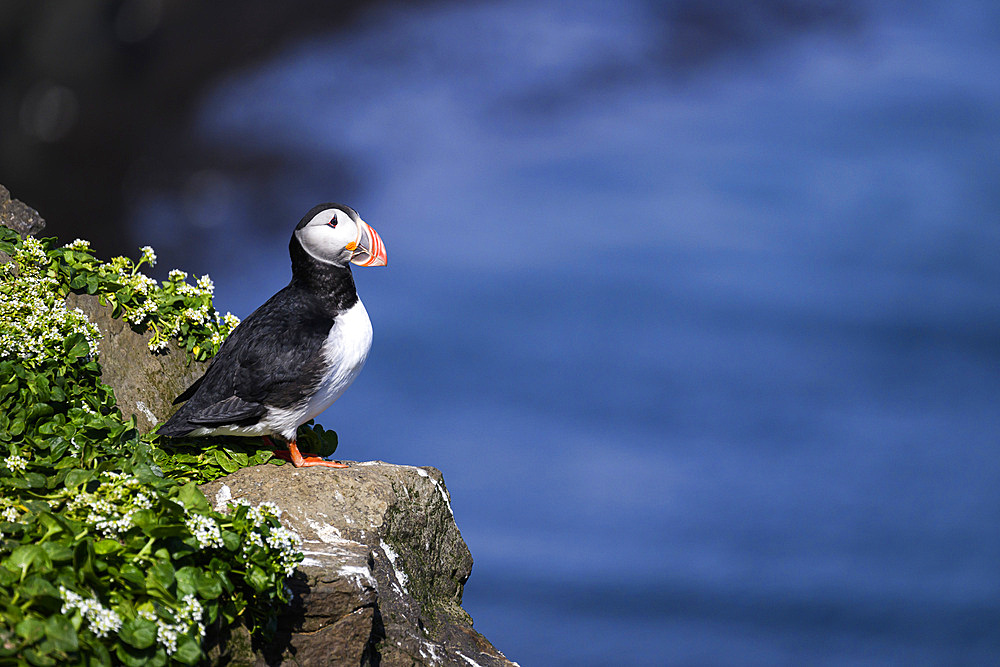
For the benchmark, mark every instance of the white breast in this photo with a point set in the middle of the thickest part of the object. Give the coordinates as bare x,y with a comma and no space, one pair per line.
345,350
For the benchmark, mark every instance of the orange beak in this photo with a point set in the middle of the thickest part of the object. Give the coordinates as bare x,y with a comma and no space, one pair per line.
368,249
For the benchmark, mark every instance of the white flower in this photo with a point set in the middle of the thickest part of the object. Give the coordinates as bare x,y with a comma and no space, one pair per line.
33,250
205,530
189,617
253,540
142,312
78,244
100,619
148,255
34,320
166,635
206,285
177,274
15,462
230,320
10,514
110,508
198,316
258,515
143,283
286,543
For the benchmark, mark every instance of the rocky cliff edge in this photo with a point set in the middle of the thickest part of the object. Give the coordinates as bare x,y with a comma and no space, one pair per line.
385,563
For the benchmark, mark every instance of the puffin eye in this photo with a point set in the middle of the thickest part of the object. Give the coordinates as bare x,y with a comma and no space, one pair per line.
333,221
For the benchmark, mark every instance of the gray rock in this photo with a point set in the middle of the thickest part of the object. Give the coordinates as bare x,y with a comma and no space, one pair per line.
19,216
145,384
384,570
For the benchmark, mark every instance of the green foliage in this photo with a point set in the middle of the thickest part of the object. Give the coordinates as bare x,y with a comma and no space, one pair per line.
202,460
109,553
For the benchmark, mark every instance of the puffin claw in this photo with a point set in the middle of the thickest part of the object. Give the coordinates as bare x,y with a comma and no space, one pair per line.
302,461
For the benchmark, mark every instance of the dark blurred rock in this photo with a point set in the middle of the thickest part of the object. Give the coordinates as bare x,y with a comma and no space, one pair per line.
19,216
384,571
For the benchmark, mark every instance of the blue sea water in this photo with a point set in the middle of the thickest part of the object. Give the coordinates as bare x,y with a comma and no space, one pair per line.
708,352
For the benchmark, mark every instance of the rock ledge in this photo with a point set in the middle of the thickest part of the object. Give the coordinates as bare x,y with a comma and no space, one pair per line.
384,570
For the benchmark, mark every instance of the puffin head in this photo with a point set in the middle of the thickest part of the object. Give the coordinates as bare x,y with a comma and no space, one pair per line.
336,234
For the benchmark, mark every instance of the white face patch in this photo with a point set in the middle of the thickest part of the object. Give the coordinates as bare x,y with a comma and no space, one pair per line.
327,235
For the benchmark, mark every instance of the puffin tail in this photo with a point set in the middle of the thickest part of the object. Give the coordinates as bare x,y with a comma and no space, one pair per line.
175,428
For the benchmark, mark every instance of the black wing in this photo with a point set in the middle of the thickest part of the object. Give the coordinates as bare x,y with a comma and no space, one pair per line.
273,358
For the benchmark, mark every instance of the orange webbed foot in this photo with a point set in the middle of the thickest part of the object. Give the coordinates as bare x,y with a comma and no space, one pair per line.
303,461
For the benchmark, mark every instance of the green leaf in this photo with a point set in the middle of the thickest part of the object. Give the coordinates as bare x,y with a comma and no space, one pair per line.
188,651
230,540
133,657
59,632
160,577
58,551
132,574
31,629
40,410
192,498
146,520
138,632
258,579
83,561
187,578
35,480
75,346
105,547
209,585
78,476
225,462
27,556
36,587
39,658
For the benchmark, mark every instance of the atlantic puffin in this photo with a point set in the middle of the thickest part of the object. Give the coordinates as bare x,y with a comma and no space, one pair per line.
296,354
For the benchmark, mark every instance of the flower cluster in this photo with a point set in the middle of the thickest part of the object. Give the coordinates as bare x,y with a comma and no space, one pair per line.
105,565
15,463
276,537
148,256
109,509
286,542
197,314
173,310
140,314
34,319
100,619
189,618
205,530
78,244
